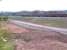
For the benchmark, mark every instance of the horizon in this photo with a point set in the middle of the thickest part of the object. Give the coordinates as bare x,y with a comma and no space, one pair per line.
32,10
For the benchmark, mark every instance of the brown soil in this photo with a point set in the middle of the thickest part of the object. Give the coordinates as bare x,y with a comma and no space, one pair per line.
14,29
38,40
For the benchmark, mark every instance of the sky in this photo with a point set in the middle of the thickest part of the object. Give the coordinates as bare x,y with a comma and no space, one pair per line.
31,5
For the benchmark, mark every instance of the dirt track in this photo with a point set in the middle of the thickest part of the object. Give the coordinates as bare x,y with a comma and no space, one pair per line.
38,40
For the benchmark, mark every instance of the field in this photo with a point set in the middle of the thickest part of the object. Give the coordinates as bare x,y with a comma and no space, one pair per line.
21,38
49,21
54,22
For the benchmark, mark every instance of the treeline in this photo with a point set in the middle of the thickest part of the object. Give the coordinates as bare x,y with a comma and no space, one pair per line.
36,13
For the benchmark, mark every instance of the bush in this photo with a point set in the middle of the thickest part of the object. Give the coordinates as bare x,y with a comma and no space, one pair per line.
3,18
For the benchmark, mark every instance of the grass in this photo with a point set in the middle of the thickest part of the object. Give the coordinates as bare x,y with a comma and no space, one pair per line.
5,44
53,23
49,21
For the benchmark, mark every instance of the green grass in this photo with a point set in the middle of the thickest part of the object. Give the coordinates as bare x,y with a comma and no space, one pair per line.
54,23
5,43
6,46
49,21
3,18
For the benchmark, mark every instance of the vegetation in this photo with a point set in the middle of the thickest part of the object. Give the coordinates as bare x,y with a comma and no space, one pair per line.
49,21
5,43
3,18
